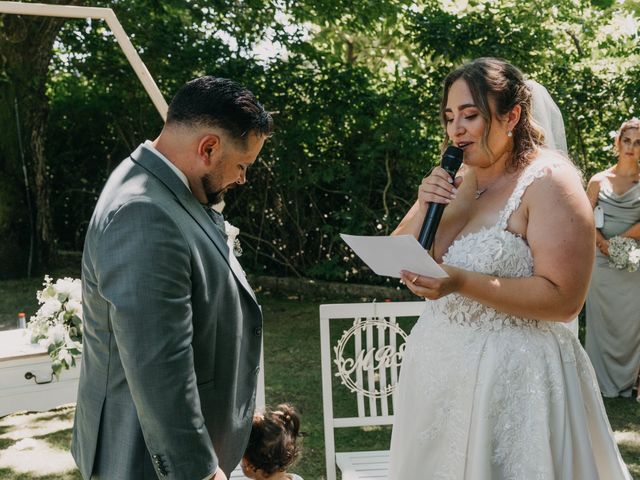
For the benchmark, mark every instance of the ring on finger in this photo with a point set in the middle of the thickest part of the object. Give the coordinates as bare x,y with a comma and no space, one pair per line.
414,279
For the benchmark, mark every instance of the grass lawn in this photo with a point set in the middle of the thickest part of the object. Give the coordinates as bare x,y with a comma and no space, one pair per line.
292,370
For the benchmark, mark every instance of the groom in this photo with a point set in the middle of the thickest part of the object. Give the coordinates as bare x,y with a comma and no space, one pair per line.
171,326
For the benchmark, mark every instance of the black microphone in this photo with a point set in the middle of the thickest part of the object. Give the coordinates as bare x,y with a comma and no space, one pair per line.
451,161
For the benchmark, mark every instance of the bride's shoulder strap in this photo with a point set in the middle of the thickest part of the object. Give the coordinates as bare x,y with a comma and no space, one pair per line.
542,165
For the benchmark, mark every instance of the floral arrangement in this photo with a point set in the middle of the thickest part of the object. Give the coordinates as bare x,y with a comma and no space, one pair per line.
57,325
624,254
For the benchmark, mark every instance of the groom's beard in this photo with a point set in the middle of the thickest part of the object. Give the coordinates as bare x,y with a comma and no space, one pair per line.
212,188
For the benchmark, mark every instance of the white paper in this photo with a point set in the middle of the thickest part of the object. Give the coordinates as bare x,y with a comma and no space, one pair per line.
388,256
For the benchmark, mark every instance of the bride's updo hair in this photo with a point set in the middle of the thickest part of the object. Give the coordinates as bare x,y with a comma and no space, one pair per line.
494,78
273,441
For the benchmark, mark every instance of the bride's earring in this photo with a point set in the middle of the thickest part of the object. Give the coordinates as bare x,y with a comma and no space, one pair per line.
509,134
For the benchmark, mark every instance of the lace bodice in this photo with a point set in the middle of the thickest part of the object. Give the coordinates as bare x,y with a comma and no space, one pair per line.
495,251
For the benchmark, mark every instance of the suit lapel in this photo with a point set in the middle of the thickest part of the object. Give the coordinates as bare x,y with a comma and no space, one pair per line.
159,169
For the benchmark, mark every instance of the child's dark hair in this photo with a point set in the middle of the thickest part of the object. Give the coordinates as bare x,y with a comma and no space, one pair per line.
272,444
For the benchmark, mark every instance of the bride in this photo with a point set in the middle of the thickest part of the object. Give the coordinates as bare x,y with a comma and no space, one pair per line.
493,386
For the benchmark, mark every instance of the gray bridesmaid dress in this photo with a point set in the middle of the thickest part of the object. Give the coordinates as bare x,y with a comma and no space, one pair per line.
613,302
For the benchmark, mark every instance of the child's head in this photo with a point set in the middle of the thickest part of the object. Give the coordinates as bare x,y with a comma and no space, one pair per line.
273,442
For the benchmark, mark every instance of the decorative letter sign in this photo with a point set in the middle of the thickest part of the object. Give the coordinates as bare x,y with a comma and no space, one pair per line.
371,348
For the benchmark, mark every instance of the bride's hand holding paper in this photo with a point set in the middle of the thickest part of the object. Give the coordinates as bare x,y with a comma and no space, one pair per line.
389,256
432,288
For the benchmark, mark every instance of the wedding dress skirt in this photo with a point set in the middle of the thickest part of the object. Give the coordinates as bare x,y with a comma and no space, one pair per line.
488,396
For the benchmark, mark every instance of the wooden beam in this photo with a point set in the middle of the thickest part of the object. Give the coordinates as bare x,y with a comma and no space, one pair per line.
106,14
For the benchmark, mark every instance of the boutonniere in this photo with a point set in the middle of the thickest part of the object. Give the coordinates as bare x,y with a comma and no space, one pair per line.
232,241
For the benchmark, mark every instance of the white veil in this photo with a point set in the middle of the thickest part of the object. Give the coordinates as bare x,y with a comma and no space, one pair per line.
548,116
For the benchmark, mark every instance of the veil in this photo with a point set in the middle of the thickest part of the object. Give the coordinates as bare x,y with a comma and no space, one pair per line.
548,116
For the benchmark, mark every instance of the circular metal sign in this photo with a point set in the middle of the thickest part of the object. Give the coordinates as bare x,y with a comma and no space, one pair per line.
376,359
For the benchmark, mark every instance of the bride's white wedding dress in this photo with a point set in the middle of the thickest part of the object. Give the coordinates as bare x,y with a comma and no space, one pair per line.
490,396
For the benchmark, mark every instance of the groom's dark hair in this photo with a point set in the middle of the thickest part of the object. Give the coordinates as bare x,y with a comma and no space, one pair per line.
219,102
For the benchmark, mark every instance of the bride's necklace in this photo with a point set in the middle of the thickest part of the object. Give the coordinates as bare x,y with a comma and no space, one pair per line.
480,191
497,181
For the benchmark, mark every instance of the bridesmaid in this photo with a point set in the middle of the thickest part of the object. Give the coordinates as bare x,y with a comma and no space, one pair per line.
613,302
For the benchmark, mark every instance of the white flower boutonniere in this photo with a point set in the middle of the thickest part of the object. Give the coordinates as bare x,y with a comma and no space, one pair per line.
232,240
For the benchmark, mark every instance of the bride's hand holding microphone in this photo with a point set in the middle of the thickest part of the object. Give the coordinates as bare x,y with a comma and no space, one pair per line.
436,191
437,187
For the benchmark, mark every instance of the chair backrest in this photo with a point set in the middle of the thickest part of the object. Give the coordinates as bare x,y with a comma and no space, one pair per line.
260,390
364,360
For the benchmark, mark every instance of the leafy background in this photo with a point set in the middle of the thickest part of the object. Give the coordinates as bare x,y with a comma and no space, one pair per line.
354,87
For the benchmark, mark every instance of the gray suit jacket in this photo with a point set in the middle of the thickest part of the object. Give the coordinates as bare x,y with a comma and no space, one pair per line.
172,334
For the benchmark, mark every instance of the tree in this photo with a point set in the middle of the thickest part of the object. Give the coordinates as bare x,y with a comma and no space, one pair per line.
355,86
26,49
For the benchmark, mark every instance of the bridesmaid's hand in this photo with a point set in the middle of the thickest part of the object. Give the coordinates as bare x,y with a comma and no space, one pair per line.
434,288
603,246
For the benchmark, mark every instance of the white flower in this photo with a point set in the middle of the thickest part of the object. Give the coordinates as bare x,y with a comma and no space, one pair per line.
68,288
57,333
231,231
57,320
76,290
624,253
49,308
48,292
74,306
65,356
37,328
634,260
232,241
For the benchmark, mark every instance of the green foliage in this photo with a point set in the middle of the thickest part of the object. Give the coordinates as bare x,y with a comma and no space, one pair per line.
325,171
355,87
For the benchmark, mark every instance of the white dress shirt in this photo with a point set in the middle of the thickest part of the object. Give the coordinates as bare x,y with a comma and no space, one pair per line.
149,146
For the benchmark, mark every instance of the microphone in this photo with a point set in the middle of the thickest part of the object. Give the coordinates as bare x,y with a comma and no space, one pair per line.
451,161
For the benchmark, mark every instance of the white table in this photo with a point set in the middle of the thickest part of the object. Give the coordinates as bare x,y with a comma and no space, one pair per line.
26,379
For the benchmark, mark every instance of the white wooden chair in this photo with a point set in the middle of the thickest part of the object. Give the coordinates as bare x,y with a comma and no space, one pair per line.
364,362
237,474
